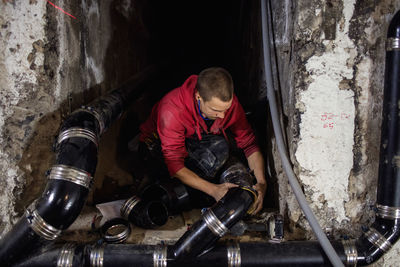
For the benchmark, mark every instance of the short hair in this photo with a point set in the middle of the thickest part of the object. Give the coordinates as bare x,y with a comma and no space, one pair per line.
215,82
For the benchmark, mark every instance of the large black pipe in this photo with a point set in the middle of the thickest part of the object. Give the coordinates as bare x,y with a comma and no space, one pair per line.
389,163
71,177
214,224
233,254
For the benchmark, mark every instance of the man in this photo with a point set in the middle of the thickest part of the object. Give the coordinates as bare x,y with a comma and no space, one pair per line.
204,105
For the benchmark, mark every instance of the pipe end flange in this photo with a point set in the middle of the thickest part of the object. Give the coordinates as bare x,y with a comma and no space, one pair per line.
128,206
71,174
40,226
233,254
350,250
67,255
378,240
214,224
386,212
160,256
97,256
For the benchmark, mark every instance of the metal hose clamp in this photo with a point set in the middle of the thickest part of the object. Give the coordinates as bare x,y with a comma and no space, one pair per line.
378,240
214,224
97,256
160,256
96,115
350,250
71,174
78,132
116,224
128,206
387,212
233,253
40,227
392,44
66,256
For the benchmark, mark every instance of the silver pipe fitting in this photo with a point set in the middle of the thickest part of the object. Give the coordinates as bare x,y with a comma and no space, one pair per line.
97,256
128,206
350,250
233,254
78,132
67,255
392,44
386,212
116,233
214,224
71,174
160,256
378,240
40,227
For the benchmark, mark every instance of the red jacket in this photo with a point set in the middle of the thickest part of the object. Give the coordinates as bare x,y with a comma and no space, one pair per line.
176,117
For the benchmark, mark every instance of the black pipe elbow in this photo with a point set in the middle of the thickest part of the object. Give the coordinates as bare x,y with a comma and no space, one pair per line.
377,240
214,224
61,203
144,213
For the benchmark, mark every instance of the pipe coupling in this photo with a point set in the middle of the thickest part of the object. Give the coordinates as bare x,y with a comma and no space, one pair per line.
214,224
78,132
378,240
66,256
97,256
160,256
116,230
387,212
96,115
233,253
128,206
71,174
40,227
350,250
392,44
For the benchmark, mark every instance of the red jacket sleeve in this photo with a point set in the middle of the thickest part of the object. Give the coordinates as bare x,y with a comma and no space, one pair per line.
243,133
172,136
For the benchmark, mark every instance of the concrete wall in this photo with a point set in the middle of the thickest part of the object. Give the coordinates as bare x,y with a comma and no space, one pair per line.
337,71
26,98
50,64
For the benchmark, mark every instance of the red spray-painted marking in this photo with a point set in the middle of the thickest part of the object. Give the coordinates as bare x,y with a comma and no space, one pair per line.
59,8
330,119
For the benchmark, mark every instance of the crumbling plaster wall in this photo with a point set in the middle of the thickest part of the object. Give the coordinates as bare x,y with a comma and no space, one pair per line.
337,72
47,69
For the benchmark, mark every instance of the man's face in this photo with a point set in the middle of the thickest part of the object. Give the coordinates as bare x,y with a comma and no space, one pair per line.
214,108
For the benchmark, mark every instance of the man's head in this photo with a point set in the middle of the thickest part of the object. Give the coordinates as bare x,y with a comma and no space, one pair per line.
215,92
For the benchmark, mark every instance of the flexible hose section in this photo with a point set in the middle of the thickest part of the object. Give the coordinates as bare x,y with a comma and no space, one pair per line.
326,245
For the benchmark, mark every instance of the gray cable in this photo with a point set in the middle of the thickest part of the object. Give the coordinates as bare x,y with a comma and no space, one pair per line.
326,245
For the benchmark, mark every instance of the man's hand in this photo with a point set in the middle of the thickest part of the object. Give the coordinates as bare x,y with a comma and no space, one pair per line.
221,189
258,204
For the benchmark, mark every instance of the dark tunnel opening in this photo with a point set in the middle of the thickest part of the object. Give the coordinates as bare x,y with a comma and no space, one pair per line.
186,37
